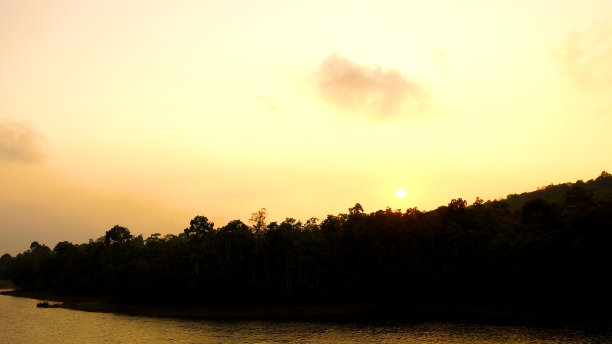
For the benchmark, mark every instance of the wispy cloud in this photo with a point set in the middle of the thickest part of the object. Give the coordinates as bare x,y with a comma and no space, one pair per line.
375,91
586,57
19,142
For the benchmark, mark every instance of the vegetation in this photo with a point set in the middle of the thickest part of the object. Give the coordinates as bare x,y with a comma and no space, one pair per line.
548,248
6,284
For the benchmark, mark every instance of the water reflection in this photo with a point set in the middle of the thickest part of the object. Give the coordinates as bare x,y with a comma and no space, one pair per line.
22,322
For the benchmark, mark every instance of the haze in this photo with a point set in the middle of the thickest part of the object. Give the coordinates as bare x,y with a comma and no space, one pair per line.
145,114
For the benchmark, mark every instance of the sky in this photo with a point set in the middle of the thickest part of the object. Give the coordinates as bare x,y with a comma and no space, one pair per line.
148,113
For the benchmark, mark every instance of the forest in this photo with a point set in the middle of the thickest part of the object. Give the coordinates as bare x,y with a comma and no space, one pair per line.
549,247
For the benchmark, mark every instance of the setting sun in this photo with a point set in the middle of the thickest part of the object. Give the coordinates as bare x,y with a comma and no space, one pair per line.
400,193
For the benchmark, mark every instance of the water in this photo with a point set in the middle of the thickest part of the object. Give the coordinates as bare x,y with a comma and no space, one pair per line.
22,322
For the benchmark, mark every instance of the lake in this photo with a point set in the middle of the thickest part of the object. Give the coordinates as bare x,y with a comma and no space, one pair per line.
22,322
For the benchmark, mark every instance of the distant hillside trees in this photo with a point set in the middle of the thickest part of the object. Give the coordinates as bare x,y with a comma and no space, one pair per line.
551,246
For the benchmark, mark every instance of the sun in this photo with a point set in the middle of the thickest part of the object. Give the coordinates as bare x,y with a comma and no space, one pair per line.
400,193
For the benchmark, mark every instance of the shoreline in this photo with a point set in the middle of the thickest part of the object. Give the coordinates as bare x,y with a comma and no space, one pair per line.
342,312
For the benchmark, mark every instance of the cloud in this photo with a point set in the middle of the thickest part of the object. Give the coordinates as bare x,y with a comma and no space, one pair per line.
374,91
586,57
19,142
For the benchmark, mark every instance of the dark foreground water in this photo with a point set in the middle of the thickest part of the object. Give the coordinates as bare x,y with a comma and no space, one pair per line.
22,322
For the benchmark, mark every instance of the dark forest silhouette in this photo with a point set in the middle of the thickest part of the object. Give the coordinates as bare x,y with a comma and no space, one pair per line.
550,247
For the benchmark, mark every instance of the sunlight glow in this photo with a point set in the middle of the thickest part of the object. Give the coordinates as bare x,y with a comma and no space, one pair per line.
400,193
147,118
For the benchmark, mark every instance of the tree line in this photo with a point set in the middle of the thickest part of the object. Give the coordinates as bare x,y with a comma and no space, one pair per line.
525,249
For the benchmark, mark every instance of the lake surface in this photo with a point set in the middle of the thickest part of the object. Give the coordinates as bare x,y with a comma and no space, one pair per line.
22,322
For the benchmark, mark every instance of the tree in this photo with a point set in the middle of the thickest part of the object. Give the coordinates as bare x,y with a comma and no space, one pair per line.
356,209
199,227
258,220
235,226
117,235
6,265
604,174
34,246
457,204
63,247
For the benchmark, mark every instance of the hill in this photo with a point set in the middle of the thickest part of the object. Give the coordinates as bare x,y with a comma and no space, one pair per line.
549,248
600,189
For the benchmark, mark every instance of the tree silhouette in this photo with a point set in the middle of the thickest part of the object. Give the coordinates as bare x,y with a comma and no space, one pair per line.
117,235
550,247
258,220
199,227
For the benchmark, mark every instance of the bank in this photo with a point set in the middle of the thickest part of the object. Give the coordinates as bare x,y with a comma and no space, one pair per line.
341,312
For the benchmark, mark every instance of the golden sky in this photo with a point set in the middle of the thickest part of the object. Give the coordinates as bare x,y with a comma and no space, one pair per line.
147,113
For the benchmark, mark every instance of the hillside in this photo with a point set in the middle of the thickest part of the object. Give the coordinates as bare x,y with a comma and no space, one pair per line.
547,248
600,189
